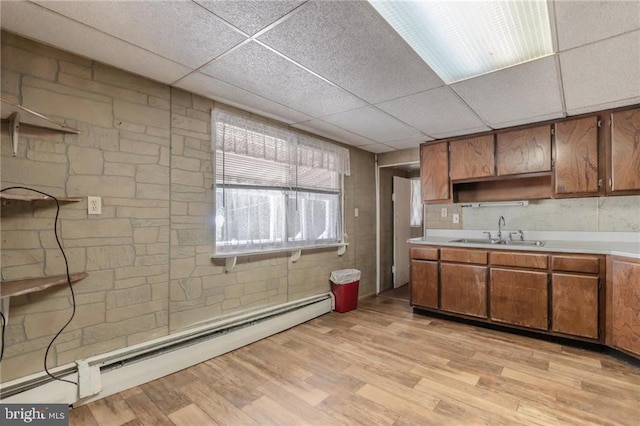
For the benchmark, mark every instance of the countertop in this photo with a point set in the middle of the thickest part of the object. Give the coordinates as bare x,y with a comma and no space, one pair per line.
625,244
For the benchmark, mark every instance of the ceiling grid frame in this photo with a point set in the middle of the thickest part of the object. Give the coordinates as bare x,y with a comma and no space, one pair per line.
576,16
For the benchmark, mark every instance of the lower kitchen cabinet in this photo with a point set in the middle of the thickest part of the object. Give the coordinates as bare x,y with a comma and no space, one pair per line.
424,283
519,298
552,293
574,305
463,289
623,281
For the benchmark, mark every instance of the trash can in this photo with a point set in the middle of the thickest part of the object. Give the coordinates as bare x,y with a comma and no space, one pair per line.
344,286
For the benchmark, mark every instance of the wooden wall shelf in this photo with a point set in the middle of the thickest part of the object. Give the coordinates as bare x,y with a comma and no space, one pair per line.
31,285
29,198
17,115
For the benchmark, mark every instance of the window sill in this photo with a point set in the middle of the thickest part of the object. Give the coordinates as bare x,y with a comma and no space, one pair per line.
232,258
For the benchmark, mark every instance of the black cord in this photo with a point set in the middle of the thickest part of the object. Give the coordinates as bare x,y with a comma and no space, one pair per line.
66,264
4,325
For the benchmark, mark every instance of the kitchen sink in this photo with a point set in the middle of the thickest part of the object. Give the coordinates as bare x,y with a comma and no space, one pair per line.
523,243
477,241
495,241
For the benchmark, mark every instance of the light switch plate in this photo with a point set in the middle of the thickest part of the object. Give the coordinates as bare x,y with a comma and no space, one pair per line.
456,218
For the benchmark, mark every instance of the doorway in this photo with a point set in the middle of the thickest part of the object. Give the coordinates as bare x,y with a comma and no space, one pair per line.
394,227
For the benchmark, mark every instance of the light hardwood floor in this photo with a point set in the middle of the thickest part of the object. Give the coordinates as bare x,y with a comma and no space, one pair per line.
382,364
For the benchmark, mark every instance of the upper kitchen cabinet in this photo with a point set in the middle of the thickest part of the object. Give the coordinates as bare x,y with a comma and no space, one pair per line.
524,151
580,158
624,165
473,158
434,172
576,158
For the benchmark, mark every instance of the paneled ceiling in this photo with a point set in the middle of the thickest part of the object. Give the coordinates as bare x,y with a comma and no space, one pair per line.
337,69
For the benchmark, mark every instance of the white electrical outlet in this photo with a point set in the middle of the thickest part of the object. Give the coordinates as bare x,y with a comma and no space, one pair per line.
94,205
356,212
456,218
443,212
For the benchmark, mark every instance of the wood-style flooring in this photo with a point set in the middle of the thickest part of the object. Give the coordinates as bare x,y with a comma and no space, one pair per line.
382,364
400,293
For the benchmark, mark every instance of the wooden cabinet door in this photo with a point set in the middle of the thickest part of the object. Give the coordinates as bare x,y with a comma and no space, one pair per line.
519,297
524,151
624,307
434,172
463,289
574,304
424,283
625,151
576,168
472,158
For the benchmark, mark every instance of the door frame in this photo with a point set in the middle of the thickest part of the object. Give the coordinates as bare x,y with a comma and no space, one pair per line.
378,205
399,266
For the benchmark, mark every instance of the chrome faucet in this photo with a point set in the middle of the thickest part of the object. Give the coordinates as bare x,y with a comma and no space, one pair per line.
517,233
501,223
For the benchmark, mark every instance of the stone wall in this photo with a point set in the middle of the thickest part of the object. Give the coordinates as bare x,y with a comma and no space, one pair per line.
403,156
145,149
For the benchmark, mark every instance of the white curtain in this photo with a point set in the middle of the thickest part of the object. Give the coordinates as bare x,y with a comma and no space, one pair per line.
416,203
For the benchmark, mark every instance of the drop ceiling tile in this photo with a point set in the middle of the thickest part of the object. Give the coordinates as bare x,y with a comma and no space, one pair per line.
35,22
250,16
438,112
372,123
259,70
353,47
220,91
602,73
377,148
536,119
527,90
407,143
179,30
582,22
330,131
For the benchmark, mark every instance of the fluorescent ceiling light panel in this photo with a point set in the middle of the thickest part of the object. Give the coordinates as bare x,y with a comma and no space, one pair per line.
463,39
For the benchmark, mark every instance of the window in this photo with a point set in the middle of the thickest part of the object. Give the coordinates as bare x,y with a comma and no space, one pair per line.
275,188
416,203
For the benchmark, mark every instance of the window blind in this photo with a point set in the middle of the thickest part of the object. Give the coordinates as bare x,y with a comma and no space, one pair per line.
275,187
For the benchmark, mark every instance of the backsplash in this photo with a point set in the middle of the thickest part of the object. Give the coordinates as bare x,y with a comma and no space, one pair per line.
604,214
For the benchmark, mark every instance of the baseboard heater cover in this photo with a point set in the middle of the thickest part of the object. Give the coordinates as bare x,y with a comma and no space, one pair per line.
122,369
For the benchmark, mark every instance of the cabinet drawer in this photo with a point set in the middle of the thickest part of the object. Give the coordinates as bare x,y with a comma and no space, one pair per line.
464,256
586,264
520,260
425,253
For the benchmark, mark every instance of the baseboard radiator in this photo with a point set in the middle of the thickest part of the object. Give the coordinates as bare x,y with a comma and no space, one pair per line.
113,372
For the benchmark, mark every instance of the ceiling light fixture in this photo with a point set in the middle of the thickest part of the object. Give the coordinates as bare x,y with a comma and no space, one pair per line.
464,39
